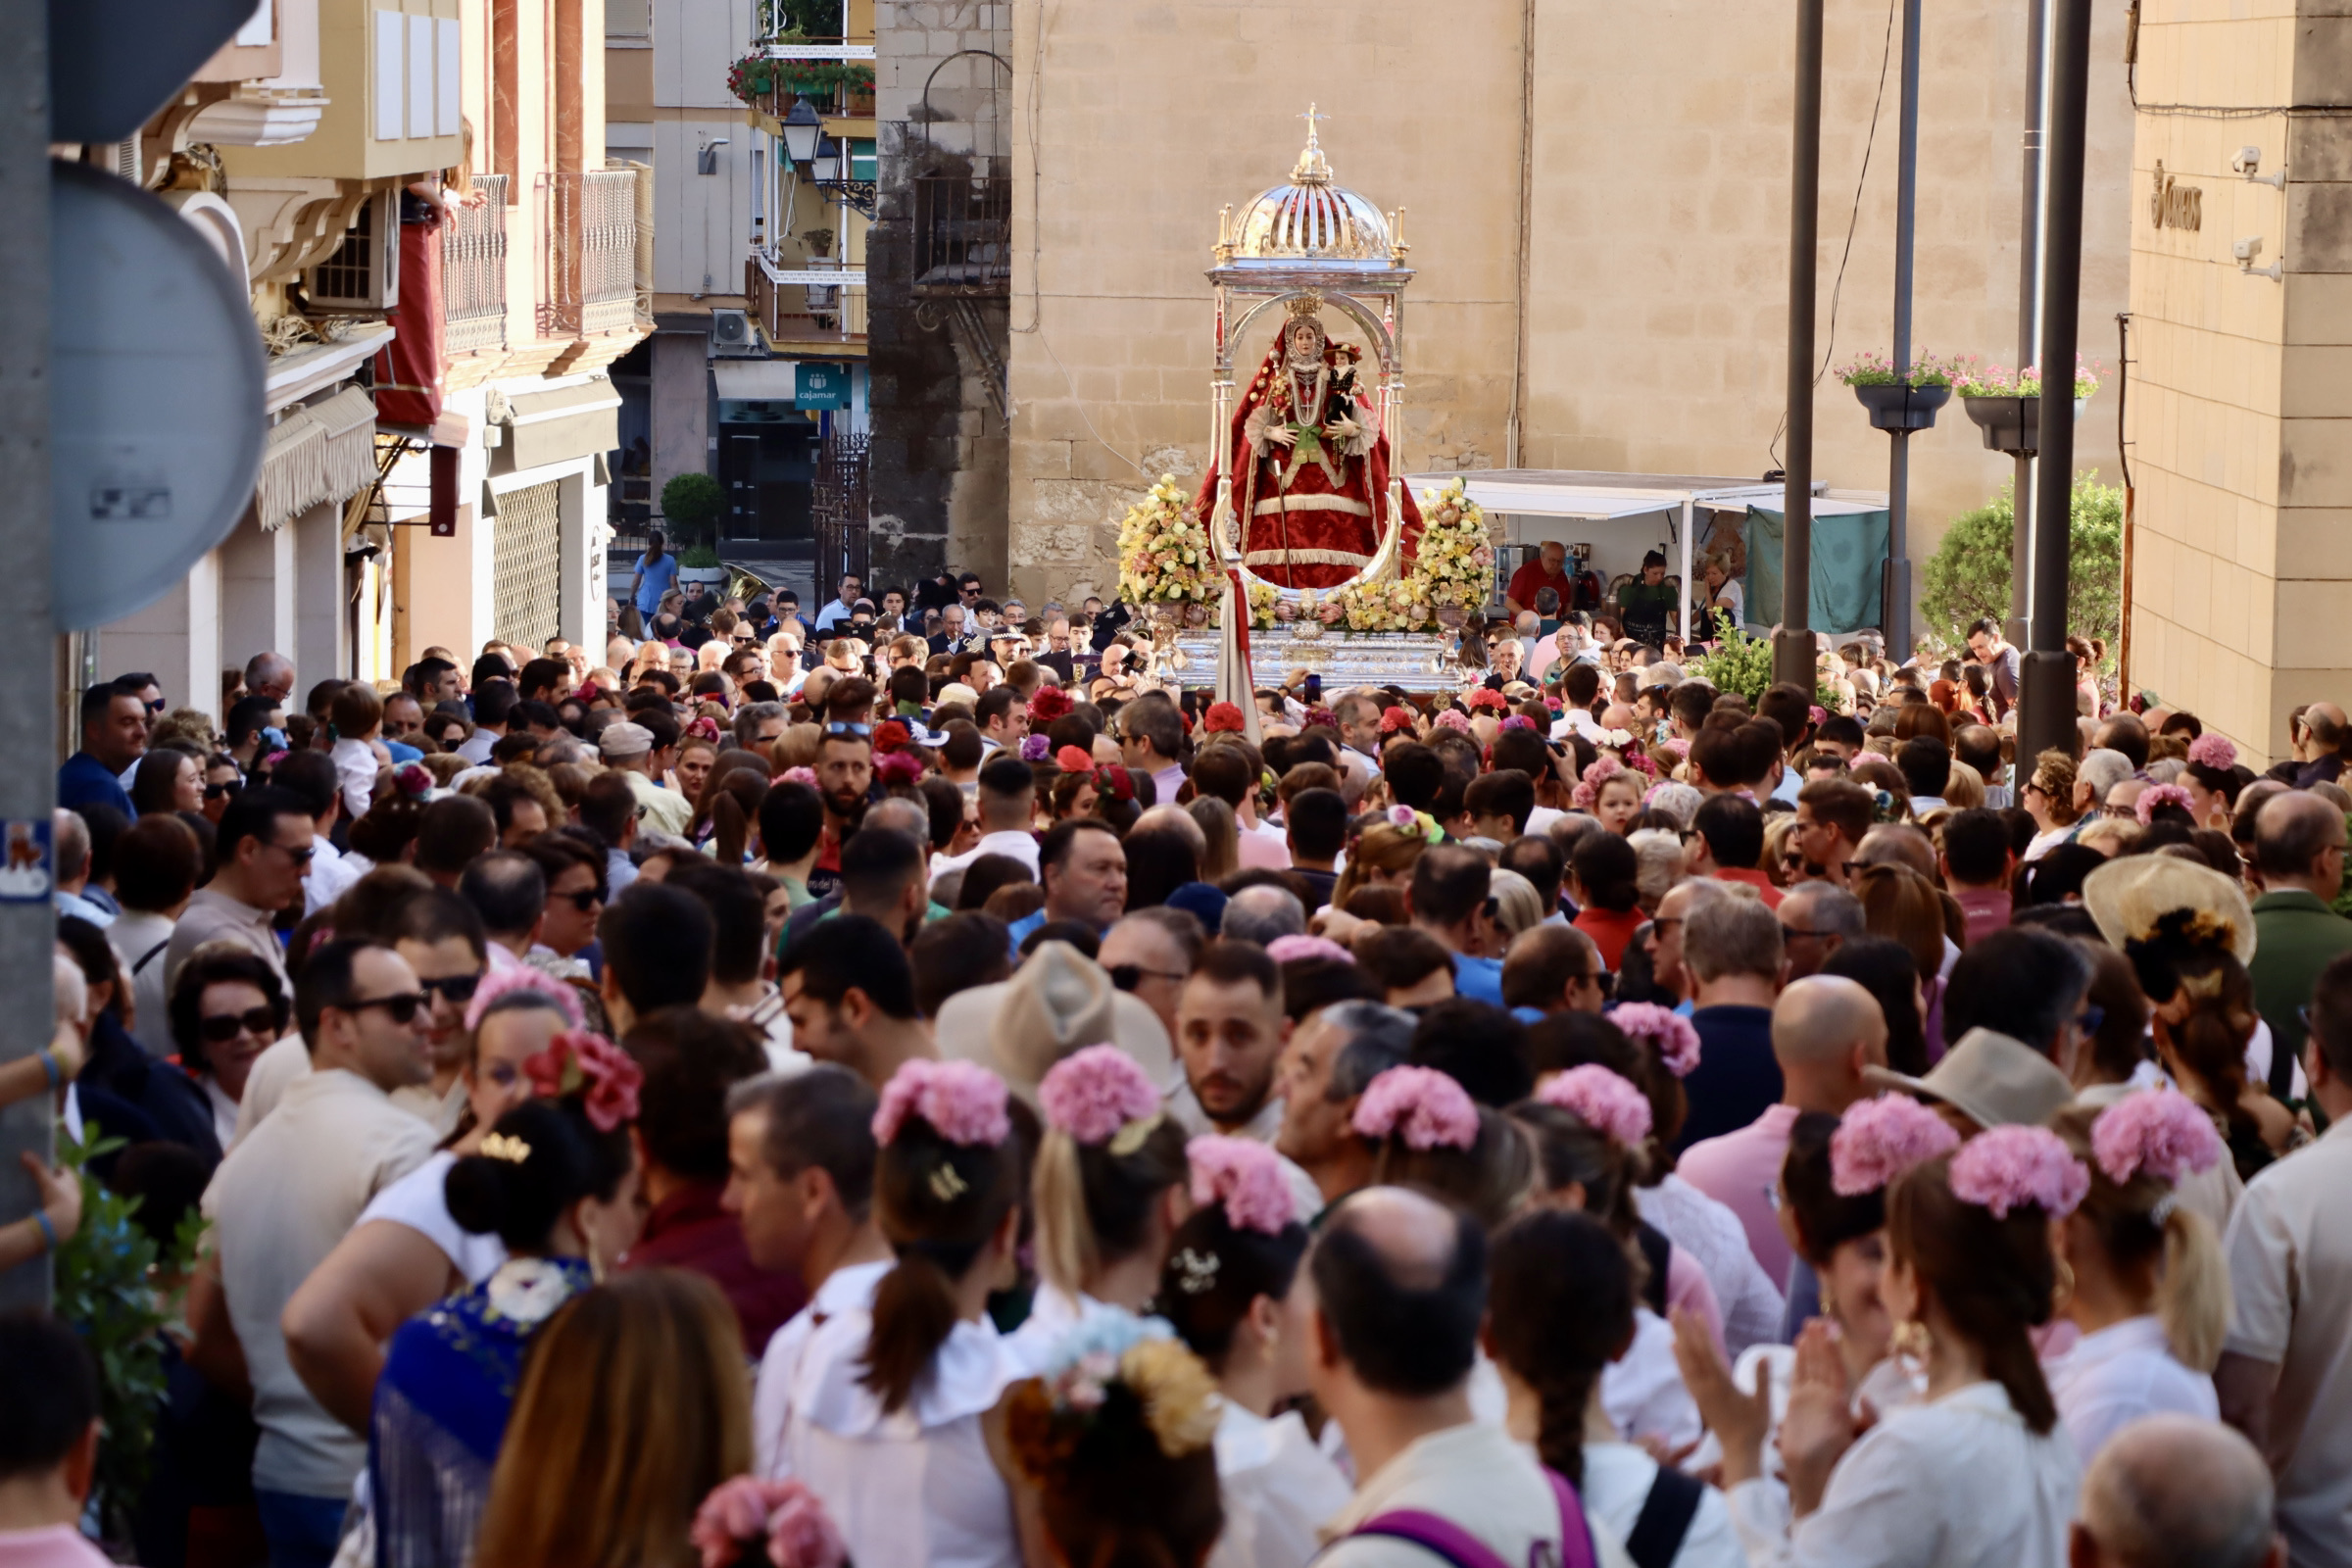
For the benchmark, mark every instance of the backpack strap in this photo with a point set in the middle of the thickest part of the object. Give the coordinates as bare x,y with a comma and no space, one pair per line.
1665,1518
1431,1533
149,956
1576,1534
1658,1252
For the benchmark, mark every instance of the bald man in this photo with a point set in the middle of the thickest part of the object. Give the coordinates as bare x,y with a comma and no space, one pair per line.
2299,860
2172,1492
1897,843
1826,1029
2318,733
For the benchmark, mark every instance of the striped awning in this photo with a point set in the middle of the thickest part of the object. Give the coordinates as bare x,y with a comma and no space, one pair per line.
321,452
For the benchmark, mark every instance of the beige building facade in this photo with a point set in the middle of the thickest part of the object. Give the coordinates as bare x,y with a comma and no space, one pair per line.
2241,402
1596,200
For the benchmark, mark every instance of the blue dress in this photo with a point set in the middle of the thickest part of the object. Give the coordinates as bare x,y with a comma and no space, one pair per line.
441,1408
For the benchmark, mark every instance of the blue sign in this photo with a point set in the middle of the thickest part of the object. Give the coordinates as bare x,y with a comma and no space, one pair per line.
819,385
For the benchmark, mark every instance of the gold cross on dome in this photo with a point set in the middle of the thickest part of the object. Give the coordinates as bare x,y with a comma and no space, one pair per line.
1310,116
1312,168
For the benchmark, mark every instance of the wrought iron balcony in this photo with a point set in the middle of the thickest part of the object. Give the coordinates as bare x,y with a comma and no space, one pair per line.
474,271
588,251
963,234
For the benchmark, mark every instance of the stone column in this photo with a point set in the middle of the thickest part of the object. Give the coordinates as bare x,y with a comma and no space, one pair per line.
2241,394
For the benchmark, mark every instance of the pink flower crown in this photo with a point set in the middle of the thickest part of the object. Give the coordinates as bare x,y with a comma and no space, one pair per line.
1404,819
2011,1167
1246,1177
508,982
1518,721
1877,1140
1283,950
1597,772
2155,1132
2156,795
963,1103
1675,1037
1606,1102
800,1534
2215,751
898,767
1091,1095
1419,1104
798,775
607,1076
1454,719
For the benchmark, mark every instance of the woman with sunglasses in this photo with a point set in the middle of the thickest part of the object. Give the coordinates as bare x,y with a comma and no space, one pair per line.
228,1006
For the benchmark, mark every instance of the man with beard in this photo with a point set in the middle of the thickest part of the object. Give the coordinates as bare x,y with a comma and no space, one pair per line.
1832,816
1230,1031
844,775
1332,1058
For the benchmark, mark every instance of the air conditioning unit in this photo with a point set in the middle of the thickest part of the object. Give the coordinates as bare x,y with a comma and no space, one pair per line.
363,272
731,336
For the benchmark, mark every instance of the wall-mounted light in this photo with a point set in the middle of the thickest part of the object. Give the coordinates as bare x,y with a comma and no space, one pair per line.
801,129
706,162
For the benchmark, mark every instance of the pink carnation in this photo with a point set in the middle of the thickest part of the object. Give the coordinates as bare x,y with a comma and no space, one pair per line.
505,982
2010,1167
963,1103
1859,758
1607,1104
1677,746
2156,1132
1246,1177
1282,949
1675,1036
2210,750
1454,719
1421,1105
1599,772
799,775
1877,1140
2156,795
800,1532
1092,1094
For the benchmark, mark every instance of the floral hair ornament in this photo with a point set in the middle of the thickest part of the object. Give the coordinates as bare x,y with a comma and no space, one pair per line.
1608,1105
1454,719
798,1531
1112,1359
413,779
892,736
2155,1132
1112,779
2156,795
1636,760
1404,819
1099,1096
500,1145
1675,1036
898,767
1518,721
1284,950
1036,748
1877,1140
1419,1104
1224,718
2213,750
501,983
1489,699
1321,717
1246,1177
1048,704
705,728
605,1076
1071,759
962,1102
799,775
2010,1167
1597,772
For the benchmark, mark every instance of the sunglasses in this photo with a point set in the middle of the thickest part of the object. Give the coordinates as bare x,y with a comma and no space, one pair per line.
1602,981
842,726
213,792
402,1008
1127,976
583,900
155,707
220,1028
2091,1020
300,856
458,987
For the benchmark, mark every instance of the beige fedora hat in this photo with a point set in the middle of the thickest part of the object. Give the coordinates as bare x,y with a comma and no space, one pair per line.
2127,897
1991,1079
1059,1002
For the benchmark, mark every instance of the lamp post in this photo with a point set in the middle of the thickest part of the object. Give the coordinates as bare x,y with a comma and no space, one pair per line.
2046,683
1792,659
1896,609
801,129
2029,231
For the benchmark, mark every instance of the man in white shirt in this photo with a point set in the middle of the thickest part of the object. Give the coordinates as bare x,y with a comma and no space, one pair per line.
640,753
1003,714
493,701
1008,803
2285,1375
838,611
281,1201
800,1154
1399,1289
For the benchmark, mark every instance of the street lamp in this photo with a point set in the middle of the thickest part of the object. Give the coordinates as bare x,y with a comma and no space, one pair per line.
826,164
803,129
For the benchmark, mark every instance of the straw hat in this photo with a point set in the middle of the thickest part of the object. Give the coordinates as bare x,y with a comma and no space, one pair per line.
2127,897
1994,1080
1059,1001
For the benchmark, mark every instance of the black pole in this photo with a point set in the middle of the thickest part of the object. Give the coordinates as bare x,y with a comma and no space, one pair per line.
2029,231
1792,648
2047,701
1896,607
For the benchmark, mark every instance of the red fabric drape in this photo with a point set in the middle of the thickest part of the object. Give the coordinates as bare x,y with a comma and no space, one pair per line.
407,369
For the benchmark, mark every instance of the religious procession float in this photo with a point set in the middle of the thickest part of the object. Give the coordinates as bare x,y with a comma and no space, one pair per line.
1303,549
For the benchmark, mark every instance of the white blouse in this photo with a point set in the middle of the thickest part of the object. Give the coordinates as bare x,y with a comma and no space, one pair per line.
1278,1489
915,1485
2119,1374
1960,1483
1711,1233
1642,1391
1617,1480
421,1202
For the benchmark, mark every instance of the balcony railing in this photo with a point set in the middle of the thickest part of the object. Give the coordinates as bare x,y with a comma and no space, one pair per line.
474,271
820,303
963,234
588,251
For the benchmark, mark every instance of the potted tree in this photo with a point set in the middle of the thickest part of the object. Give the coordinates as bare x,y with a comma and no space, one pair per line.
692,505
1898,397
2006,405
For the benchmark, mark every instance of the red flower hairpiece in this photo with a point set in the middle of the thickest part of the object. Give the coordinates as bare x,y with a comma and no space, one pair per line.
604,1074
898,767
1483,697
1321,717
892,736
1070,760
705,728
1224,717
1393,720
1048,704
1112,779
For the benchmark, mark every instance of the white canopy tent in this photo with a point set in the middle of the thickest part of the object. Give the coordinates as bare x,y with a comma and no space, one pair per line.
1541,503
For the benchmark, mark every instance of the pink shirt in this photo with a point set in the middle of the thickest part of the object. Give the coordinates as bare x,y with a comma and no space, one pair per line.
1985,909
1740,1171
57,1546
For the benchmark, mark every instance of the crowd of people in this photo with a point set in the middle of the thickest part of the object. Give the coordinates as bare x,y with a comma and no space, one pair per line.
856,1092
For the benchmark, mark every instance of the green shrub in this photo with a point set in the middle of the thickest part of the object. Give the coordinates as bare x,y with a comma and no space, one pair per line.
691,506
1743,664
1969,576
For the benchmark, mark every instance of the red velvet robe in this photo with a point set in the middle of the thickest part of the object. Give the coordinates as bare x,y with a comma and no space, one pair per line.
1311,534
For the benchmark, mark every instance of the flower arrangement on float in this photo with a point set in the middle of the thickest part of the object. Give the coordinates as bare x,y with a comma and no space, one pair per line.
1164,553
1455,560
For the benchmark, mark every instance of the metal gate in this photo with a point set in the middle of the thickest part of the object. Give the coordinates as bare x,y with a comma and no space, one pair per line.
528,566
839,507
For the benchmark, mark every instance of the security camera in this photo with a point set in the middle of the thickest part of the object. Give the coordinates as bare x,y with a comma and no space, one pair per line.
2245,250
2247,161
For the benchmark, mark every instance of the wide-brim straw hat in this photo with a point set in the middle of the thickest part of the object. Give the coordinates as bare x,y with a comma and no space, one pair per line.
2126,898
1991,1079
1057,1003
